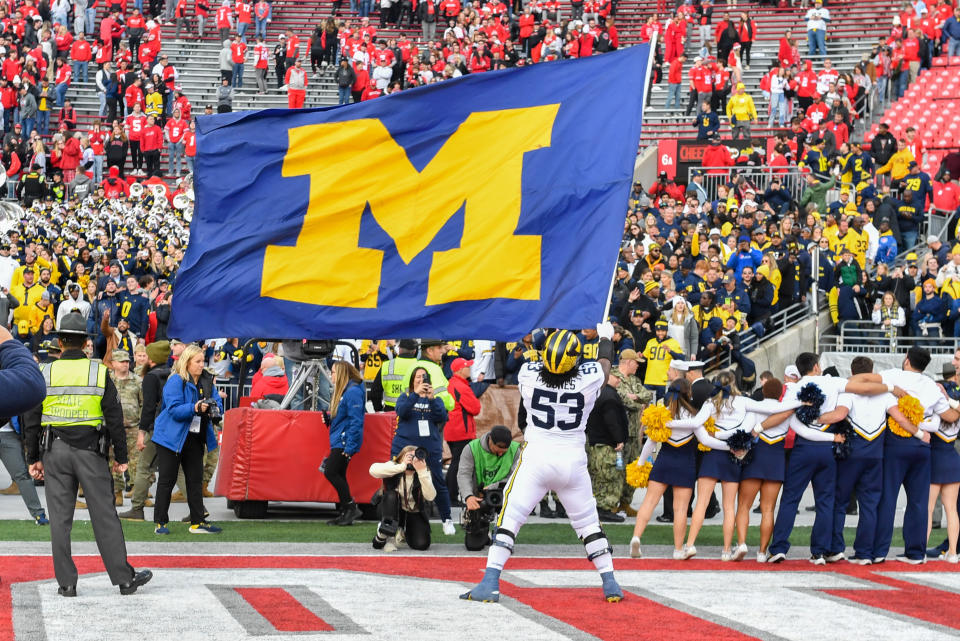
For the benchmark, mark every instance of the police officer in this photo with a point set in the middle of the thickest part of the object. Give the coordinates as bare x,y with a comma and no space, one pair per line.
79,418
393,374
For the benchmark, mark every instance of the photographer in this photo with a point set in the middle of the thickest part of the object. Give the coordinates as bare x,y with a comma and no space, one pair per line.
346,436
485,464
421,416
184,427
407,488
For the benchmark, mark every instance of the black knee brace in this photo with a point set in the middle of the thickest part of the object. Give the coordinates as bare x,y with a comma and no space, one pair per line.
504,544
596,536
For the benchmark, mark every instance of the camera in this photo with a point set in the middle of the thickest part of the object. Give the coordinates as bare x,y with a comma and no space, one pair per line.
476,523
426,378
492,500
213,410
420,454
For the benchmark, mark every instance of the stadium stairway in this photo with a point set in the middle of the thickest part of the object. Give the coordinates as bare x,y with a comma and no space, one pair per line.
853,30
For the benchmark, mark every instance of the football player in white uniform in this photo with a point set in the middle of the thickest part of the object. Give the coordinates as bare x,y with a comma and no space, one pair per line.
558,395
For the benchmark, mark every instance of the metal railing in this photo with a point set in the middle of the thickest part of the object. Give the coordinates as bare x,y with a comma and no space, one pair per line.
865,337
775,325
939,222
231,388
759,177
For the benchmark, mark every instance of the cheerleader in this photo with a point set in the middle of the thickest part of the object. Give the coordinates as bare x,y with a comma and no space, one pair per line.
732,413
764,474
675,466
944,480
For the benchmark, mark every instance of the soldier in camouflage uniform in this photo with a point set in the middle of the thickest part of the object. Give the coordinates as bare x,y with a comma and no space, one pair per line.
130,391
606,434
635,398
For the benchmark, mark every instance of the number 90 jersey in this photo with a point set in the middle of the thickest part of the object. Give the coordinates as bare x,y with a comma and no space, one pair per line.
559,415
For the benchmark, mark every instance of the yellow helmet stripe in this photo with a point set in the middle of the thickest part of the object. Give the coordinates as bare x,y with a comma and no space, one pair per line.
552,343
563,344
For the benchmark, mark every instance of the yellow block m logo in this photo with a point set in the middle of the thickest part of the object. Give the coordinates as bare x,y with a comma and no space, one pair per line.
357,162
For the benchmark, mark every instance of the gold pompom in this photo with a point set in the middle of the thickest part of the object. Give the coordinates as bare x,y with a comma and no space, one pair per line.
912,411
711,426
655,419
638,475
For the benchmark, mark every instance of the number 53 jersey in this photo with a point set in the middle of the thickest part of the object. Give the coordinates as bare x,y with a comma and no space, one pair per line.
558,415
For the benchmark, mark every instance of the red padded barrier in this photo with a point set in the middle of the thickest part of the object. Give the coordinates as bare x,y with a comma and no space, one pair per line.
274,455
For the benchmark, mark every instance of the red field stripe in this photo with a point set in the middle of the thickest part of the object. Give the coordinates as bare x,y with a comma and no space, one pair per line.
282,610
635,618
909,599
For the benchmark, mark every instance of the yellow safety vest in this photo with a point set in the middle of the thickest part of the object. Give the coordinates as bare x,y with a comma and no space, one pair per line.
392,377
75,388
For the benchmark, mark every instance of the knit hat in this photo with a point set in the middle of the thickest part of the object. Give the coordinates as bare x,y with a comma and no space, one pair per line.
159,352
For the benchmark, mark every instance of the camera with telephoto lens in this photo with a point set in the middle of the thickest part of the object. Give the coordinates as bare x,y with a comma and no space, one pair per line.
476,523
492,499
213,410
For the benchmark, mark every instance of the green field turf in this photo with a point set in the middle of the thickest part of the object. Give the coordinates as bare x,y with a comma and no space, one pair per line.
318,532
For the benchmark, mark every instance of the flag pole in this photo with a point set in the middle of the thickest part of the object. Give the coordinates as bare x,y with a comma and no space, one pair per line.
613,281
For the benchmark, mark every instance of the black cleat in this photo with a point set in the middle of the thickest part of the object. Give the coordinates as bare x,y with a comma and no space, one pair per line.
67,590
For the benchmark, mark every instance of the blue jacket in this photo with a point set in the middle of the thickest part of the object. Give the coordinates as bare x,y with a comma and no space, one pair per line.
346,429
887,249
930,310
707,124
951,29
411,409
20,379
177,411
752,258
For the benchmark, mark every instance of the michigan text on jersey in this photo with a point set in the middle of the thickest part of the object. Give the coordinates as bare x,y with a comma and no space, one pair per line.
355,163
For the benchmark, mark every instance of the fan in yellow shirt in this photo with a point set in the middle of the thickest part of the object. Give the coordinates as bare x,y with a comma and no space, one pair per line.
659,352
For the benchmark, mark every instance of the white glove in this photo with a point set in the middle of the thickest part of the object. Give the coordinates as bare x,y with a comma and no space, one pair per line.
605,330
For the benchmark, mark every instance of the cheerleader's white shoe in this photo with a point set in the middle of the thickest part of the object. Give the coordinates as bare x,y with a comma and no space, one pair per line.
679,555
689,552
741,552
763,557
950,558
635,552
725,556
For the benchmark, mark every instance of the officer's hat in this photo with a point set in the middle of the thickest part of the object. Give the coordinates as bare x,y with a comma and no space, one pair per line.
73,325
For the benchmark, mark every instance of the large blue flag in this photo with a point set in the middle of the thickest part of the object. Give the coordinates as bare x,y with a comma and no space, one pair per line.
483,207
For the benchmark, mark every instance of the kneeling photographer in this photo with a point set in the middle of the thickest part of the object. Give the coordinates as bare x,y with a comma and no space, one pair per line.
407,491
485,465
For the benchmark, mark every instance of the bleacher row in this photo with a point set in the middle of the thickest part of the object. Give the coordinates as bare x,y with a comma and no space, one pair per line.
932,105
854,28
